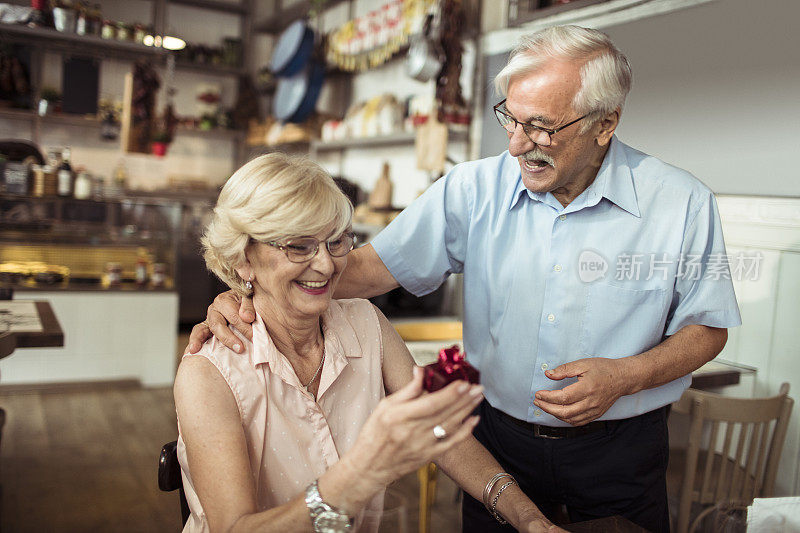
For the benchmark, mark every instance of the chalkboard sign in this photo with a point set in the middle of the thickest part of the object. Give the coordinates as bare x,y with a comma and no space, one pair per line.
80,86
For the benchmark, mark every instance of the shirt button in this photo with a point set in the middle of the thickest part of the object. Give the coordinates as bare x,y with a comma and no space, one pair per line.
537,413
563,217
544,366
551,317
557,268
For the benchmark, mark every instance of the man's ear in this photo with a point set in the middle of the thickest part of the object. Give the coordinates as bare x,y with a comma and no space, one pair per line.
608,124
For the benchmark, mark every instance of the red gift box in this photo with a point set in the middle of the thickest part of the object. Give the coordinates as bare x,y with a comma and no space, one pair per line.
450,367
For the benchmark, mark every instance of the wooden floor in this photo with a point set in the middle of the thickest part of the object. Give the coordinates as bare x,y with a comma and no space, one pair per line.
86,461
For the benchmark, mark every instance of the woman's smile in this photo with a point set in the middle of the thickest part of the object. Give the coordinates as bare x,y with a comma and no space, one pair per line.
313,287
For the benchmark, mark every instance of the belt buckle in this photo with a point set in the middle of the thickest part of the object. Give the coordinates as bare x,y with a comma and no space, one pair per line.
537,433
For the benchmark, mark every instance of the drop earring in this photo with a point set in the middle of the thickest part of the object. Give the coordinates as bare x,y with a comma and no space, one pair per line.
248,286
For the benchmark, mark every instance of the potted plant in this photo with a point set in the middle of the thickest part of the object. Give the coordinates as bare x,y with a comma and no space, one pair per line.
160,143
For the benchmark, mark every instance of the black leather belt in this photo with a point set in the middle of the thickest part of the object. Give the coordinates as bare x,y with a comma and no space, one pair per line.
552,432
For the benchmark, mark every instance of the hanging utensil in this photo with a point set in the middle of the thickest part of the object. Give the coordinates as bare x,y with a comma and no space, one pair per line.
293,49
424,59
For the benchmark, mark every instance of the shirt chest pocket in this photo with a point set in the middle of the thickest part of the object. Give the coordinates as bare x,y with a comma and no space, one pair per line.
618,321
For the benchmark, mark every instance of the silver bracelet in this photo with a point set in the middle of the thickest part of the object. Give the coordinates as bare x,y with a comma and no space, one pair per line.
493,509
489,486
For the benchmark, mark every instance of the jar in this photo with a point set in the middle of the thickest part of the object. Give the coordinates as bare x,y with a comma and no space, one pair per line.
141,272
123,32
50,180
83,186
113,274
38,181
139,32
17,176
159,274
109,30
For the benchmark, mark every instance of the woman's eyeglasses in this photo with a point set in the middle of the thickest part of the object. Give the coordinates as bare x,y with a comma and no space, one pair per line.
304,249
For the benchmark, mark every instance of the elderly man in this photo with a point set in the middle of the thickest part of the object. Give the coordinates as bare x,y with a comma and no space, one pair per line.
595,282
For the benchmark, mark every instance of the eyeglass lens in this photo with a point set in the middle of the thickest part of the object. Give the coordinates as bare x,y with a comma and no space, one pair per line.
510,125
304,249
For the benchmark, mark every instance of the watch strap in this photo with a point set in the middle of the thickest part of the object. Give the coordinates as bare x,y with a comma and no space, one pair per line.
317,506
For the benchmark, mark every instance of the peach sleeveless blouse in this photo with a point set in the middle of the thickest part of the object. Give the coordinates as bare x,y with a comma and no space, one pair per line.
292,439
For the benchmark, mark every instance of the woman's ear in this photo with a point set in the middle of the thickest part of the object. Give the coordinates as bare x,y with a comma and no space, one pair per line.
245,271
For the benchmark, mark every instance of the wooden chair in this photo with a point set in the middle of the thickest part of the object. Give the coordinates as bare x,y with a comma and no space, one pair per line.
169,475
739,461
428,474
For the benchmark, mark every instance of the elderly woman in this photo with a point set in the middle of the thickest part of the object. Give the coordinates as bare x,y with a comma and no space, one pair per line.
295,433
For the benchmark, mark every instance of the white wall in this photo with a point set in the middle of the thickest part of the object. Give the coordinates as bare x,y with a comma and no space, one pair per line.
717,92
769,338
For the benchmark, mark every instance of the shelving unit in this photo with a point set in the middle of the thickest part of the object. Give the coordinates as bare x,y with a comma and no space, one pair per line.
87,45
89,121
42,40
384,140
225,7
210,68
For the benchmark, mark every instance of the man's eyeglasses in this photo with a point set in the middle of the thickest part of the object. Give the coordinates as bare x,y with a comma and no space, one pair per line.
537,134
305,248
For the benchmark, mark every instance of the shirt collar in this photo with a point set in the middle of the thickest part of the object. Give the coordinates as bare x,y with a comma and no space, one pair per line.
614,181
341,343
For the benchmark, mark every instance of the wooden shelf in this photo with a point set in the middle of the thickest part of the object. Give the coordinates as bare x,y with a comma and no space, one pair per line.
299,146
279,20
53,118
384,140
87,45
217,133
88,121
221,70
224,7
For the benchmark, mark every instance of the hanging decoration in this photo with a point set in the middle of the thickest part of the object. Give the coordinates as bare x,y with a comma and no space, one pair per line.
370,41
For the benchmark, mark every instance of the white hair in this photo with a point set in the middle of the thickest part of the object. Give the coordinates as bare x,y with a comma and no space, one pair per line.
605,74
274,196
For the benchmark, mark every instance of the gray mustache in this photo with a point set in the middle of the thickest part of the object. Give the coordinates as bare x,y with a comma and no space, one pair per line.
536,154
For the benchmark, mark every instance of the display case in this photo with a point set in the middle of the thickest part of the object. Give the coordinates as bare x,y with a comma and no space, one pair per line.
63,243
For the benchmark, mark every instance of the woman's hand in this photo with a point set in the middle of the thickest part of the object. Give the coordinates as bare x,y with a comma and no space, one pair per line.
398,437
226,310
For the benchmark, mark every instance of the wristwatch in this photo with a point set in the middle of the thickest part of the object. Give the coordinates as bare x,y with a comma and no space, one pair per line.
324,518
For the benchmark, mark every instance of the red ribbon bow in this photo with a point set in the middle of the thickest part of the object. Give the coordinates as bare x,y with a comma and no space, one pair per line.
451,359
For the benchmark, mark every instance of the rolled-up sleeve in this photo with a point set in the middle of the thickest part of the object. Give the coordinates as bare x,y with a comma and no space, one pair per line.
704,292
427,241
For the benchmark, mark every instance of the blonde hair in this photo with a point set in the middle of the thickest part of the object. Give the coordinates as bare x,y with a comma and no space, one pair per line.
606,75
272,197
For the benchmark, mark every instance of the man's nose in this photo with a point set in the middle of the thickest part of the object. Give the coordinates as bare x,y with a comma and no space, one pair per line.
519,143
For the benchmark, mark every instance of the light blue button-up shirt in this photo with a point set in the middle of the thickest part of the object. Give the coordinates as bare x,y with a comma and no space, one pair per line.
634,258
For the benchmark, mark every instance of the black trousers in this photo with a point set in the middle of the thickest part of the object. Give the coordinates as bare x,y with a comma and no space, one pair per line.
617,471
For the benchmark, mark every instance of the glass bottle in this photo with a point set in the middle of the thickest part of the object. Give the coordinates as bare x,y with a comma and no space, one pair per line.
66,177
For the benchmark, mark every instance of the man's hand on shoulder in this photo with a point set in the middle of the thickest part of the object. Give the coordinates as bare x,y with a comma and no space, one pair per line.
226,311
601,382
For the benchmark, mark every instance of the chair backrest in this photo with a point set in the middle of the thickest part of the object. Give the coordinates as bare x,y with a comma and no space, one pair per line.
740,460
169,475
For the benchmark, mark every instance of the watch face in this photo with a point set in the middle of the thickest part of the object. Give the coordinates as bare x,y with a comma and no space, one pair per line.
331,522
